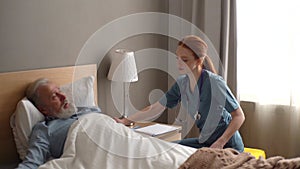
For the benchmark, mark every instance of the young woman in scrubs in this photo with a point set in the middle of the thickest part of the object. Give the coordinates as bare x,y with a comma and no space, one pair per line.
204,95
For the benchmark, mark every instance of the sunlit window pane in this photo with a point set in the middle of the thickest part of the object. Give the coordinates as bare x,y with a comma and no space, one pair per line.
268,51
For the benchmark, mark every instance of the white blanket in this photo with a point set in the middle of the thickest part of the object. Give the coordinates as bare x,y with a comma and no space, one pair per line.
97,141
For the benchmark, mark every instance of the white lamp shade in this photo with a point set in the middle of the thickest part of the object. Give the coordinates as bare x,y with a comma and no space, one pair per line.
123,67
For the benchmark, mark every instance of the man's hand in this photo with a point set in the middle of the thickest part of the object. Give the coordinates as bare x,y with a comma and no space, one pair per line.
124,121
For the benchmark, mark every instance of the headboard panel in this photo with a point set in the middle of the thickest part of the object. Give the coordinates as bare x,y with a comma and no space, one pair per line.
12,89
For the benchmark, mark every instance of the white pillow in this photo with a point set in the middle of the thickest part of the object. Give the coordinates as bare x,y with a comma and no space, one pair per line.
27,115
24,118
81,92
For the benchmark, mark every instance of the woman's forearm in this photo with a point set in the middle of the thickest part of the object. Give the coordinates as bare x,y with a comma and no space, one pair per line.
148,113
238,118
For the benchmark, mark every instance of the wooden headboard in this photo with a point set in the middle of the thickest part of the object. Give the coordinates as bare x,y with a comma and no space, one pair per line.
12,89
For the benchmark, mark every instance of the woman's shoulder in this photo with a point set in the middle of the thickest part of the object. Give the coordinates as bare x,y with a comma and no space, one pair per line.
181,78
182,81
212,76
214,79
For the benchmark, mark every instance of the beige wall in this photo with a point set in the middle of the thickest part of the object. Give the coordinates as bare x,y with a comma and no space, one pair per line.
39,34
42,34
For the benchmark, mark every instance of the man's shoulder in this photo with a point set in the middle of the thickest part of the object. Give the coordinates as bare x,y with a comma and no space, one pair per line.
39,127
86,110
40,124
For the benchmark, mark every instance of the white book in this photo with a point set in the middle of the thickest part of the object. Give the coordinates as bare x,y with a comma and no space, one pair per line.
157,129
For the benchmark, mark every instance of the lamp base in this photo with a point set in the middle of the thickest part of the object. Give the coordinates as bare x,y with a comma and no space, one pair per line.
130,124
123,116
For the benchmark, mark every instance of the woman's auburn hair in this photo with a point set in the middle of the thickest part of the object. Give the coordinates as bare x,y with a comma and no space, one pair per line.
199,48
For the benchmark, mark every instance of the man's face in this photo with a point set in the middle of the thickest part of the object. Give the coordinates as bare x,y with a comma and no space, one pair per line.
54,102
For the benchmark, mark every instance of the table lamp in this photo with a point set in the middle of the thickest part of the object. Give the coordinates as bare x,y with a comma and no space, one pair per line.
123,69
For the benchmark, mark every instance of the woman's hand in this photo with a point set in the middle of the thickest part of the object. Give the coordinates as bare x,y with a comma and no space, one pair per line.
218,144
124,121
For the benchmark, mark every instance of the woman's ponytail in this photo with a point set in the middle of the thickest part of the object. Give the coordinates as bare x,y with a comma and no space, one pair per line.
208,64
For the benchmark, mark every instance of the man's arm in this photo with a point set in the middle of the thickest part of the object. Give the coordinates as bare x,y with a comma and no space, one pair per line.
38,151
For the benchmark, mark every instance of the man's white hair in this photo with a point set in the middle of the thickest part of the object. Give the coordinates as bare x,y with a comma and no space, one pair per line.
31,92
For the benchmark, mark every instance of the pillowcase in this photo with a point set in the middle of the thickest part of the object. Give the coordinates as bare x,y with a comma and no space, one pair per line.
80,92
22,121
26,115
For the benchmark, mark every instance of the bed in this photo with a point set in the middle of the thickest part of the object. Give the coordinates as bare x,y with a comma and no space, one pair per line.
97,141
12,89
151,153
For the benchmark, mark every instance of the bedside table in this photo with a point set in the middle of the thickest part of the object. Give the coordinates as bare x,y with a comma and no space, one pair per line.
169,136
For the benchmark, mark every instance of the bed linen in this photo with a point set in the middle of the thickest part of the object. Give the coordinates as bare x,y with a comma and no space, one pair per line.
97,141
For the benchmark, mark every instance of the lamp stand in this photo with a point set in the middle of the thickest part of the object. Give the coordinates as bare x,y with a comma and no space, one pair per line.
125,96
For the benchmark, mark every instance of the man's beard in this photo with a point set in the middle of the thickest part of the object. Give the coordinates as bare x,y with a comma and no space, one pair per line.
66,113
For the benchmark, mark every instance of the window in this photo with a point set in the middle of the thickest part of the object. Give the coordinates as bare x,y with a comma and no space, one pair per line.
268,51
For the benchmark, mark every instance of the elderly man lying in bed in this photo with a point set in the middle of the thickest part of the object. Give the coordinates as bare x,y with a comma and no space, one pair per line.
48,137
85,138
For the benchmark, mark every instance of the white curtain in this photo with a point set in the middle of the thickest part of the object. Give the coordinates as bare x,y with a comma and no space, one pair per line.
268,74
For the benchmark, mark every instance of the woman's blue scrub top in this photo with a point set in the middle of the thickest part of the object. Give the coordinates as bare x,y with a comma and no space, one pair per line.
209,104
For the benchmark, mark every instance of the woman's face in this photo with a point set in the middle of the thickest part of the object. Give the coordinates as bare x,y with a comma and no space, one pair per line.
186,61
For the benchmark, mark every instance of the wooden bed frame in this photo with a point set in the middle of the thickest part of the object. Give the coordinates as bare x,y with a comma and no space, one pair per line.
12,89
